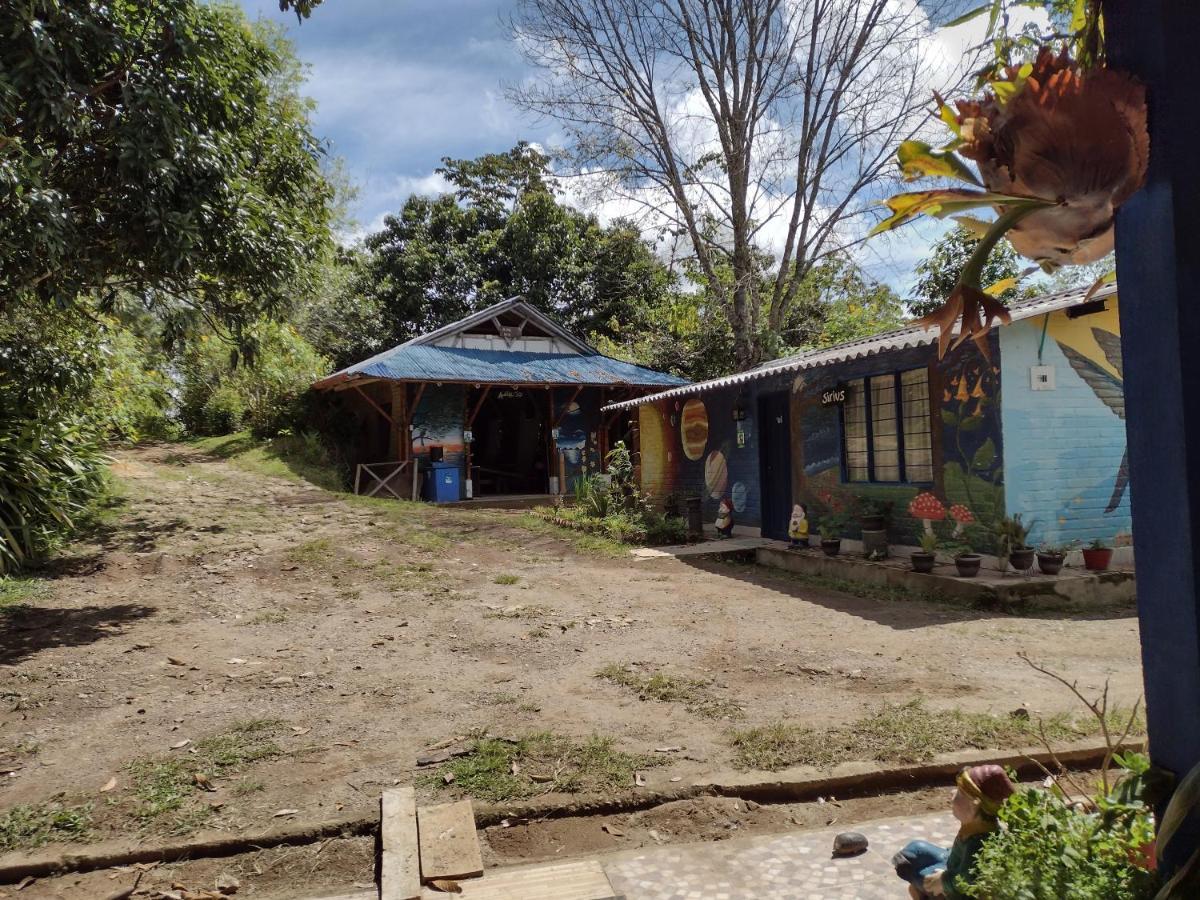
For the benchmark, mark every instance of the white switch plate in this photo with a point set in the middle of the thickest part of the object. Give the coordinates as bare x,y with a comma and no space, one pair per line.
1041,378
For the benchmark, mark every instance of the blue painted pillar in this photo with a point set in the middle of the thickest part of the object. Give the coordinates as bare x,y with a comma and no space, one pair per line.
1158,254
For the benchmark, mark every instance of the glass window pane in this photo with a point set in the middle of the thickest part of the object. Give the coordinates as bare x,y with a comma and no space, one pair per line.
854,418
884,439
918,428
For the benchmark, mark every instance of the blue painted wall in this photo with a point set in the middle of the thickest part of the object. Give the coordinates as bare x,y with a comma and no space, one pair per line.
1065,448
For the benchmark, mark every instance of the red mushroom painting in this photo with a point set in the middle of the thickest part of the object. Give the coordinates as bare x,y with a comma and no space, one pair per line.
928,509
962,517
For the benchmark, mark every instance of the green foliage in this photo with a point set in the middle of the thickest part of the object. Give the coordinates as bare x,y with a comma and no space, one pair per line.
939,272
1012,533
26,827
836,302
158,146
1049,848
221,395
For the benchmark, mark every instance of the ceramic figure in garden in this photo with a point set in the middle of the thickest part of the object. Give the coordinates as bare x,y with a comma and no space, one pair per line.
798,526
933,871
725,518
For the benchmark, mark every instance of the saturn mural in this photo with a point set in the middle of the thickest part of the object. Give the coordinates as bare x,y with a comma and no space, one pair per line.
693,429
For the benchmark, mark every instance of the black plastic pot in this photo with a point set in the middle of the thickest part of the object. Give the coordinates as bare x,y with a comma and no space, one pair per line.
1050,563
968,564
695,517
1021,559
923,562
671,508
831,546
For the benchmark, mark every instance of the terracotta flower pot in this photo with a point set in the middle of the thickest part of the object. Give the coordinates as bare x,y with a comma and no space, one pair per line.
923,562
1050,563
968,564
831,546
1097,560
1021,559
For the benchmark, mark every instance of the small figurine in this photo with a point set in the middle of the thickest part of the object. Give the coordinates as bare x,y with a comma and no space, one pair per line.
725,518
933,871
798,526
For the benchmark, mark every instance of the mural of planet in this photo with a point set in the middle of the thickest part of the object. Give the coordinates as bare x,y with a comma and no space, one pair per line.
738,493
657,442
693,428
716,474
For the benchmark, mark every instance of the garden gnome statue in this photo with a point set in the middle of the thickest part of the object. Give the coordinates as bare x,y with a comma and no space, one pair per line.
933,871
798,526
725,518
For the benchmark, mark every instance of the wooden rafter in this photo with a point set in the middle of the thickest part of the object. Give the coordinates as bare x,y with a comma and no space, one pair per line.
566,406
412,409
378,408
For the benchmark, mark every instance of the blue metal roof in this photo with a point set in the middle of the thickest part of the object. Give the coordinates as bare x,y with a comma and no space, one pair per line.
429,363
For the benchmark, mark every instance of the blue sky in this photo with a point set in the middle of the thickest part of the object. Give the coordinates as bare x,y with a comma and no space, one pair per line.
401,83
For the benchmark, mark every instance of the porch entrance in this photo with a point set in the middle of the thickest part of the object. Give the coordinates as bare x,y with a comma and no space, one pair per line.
510,453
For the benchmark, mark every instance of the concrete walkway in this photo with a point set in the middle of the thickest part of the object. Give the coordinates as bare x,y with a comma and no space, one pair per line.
705,548
795,866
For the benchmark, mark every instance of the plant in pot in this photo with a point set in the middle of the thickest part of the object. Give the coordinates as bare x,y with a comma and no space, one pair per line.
1097,556
1012,535
924,559
873,514
966,560
1051,557
831,534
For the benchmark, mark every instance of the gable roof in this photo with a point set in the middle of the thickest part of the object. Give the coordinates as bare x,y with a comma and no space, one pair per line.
424,359
900,339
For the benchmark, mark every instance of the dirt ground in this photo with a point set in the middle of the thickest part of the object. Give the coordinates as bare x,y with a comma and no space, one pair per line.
361,633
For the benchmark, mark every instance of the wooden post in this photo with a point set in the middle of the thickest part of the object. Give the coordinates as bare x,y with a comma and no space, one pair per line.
1157,232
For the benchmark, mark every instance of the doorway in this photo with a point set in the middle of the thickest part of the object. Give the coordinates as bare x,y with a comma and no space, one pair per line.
509,450
775,463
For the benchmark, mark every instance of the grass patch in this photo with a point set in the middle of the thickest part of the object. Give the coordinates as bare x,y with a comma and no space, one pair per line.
505,578
16,591
497,770
693,693
532,611
166,784
270,617
296,457
582,541
314,553
26,827
908,733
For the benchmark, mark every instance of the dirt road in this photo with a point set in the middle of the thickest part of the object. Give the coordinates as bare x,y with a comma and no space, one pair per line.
297,649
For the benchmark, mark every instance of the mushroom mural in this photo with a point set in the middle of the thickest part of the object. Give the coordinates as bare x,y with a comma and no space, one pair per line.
962,516
928,509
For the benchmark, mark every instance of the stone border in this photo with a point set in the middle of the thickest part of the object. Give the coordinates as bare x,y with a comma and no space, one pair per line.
790,785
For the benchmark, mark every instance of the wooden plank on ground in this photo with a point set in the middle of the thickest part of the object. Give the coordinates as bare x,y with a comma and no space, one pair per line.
400,865
583,880
449,844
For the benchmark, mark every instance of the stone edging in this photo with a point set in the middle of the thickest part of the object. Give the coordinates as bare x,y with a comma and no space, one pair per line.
790,785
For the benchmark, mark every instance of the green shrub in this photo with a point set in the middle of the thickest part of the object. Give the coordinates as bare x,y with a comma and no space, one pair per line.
223,393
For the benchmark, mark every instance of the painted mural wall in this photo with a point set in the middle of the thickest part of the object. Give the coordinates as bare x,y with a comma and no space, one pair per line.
1067,463
438,422
692,446
968,449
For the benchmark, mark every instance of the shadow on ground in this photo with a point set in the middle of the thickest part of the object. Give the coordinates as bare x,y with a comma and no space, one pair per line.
27,630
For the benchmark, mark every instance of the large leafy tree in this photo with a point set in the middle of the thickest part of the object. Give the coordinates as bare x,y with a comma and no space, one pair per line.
506,231
938,273
153,147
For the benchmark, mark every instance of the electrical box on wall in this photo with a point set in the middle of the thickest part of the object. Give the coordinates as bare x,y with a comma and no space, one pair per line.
1041,378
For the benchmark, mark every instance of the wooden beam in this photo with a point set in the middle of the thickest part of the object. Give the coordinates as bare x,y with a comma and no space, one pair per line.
378,408
400,861
448,841
478,406
567,406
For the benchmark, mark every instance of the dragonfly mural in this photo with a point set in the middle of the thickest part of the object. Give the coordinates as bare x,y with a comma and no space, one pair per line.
1109,389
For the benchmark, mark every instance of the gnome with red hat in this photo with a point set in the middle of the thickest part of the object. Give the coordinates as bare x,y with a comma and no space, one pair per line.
933,871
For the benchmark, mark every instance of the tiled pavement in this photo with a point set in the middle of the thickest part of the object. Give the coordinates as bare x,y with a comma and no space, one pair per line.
795,866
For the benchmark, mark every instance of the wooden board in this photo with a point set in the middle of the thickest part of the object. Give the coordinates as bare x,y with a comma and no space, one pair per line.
583,880
449,845
400,864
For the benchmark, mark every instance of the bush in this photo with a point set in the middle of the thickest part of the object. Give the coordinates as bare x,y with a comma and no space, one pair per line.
222,393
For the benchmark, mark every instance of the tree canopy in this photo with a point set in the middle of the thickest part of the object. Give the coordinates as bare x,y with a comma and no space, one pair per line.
155,147
938,273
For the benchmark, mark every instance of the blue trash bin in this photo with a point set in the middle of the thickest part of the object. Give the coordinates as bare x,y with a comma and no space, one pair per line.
443,483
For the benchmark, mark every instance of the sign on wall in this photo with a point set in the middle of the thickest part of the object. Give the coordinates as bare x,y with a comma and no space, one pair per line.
834,396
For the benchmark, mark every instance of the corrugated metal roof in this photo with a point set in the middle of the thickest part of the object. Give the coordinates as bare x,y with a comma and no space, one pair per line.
478,366
903,338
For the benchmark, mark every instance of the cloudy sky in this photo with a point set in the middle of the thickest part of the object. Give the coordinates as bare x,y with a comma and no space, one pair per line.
401,83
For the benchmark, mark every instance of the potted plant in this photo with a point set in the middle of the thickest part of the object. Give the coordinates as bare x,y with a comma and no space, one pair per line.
967,561
873,514
831,535
1012,534
1097,556
1051,557
924,560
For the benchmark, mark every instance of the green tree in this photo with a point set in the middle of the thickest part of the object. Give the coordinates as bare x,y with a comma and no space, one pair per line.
842,304
938,273
158,147
505,232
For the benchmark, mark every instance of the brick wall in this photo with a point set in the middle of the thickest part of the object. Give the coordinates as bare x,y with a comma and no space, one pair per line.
1064,448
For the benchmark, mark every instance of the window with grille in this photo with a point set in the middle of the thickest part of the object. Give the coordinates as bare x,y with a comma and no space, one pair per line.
887,432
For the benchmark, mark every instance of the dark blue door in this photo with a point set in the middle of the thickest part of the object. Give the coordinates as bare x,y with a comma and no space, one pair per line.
775,464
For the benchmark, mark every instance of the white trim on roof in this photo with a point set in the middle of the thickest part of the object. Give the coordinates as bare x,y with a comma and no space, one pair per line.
901,339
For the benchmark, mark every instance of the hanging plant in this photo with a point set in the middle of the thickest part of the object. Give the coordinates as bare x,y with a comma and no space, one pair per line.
1058,141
